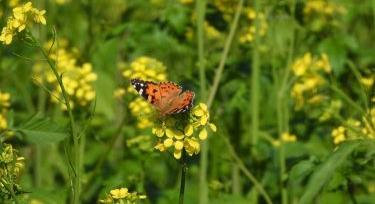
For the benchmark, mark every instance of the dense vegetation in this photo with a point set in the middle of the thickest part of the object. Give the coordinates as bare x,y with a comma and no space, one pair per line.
283,109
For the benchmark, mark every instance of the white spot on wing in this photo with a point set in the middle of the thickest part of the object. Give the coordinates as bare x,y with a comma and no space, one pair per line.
140,92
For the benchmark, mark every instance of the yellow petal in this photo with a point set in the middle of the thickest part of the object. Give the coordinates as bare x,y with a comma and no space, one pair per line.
177,154
198,112
169,133
178,145
203,134
203,106
204,120
212,126
158,132
160,146
168,142
178,134
188,130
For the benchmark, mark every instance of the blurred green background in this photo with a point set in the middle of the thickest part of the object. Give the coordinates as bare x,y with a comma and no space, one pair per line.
289,84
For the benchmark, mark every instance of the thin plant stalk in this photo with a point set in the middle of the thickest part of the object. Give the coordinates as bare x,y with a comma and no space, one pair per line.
257,185
201,10
76,180
183,177
255,75
224,55
282,109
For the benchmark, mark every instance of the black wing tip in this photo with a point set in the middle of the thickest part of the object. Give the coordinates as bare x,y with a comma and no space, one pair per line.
136,80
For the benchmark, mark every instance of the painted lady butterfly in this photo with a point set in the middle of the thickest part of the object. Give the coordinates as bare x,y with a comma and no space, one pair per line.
167,97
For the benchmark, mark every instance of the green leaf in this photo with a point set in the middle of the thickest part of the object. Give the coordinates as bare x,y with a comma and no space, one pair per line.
325,172
42,130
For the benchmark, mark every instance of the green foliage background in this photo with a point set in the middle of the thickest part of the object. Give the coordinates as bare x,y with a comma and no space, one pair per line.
250,111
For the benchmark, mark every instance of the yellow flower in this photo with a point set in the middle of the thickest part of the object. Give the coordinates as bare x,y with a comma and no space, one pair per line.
4,100
3,122
145,68
338,134
203,134
7,34
122,195
119,193
323,63
180,134
286,137
192,146
118,93
4,105
20,18
168,142
39,16
201,111
249,32
211,31
367,81
78,80
188,130
177,154
309,72
301,65
160,146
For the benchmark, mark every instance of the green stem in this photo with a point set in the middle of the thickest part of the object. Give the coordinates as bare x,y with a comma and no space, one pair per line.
76,182
183,175
358,76
201,11
106,153
258,186
282,109
255,75
39,148
281,129
223,59
348,100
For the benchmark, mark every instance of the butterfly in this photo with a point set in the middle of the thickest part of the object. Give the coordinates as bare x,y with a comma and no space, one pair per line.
167,97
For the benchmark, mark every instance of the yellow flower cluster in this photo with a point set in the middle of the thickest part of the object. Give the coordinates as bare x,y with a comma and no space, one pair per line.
22,16
226,7
324,7
210,31
368,81
320,13
11,166
142,110
179,133
78,80
122,196
4,106
144,68
359,129
338,134
250,31
286,137
308,72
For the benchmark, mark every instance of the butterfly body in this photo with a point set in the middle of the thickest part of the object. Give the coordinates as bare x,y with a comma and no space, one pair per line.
167,97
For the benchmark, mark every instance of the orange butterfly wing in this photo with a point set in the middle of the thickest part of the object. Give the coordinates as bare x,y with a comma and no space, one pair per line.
167,97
